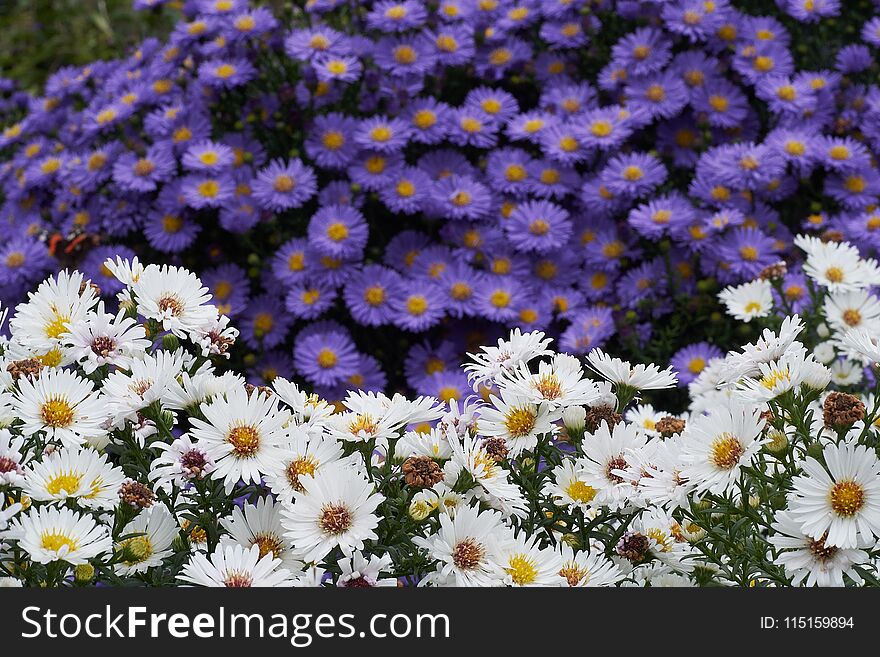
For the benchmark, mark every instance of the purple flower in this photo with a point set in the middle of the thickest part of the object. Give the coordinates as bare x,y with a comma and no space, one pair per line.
417,305
339,231
691,360
143,174
310,301
369,292
326,357
538,226
284,185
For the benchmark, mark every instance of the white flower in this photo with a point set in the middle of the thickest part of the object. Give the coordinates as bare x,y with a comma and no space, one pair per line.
587,569
768,347
50,533
242,433
175,298
126,272
101,339
622,373
63,406
606,455
840,505
432,444
466,547
214,338
777,377
11,472
149,380
260,524
335,509
302,456
716,446
491,481
526,564
861,343
747,301
850,310
190,391
74,474
42,322
569,487
358,572
837,265
812,560
645,418
558,384
234,566
180,461
517,420
493,361
845,373
156,529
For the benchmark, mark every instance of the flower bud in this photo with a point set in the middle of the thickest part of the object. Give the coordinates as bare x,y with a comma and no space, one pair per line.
574,419
778,441
84,573
170,342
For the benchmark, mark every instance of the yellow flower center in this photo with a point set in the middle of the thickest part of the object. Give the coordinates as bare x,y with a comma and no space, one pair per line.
726,451
416,305
326,358
520,421
337,231
522,569
56,541
847,498
245,441
374,295
56,412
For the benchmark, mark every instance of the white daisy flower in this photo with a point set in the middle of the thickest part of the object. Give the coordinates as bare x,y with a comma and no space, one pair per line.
11,472
260,524
74,474
101,339
302,456
336,509
193,390
837,265
558,384
811,560
587,569
747,301
526,564
850,310
846,373
148,381
51,533
234,566
622,373
840,504
716,446
491,482
45,318
174,297
180,462
517,420
242,433
63,406
156,529
127,272
432,444
768,347
568,486
605,456
645,418
358,572
466,547
519,348
860,343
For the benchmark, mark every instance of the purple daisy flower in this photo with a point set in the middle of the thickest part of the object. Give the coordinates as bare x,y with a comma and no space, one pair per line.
396,16
143,174
207,190
369,292
417,305
373,170
310,300
339,231
460,197
265,322
226,73
293,261
407,191
170,233
325,354
230,288
383,134
207,155
633,175
590,328
691,360
428,120
284,185
538,226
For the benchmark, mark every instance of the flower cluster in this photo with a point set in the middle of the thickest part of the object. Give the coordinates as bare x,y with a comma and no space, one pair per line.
350,174
127,458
